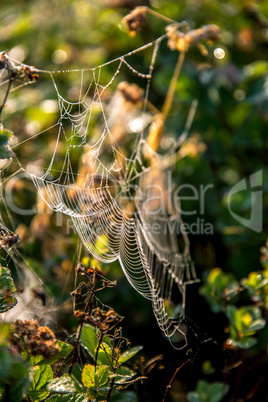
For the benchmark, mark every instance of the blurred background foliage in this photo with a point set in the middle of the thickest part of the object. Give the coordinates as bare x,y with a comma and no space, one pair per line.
227,311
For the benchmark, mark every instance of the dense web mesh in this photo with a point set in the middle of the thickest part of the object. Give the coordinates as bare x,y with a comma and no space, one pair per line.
120,201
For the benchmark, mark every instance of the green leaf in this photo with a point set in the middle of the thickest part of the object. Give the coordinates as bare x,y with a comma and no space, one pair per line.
217,391
5,363
6,280
7,288
230,312
5,136
62,385
257,324
208,392
15,371
95,378
107,340
123,374
19,388
245,343
41,376
256,69
104,354
218,288
7,302
34,360
89,339
127,396
68,398
193,397
88,376
4,332
128,354
65,350
245,319
101,376
6,152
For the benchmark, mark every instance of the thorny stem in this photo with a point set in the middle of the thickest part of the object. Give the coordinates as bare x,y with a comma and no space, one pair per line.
172,379
81,323
172,86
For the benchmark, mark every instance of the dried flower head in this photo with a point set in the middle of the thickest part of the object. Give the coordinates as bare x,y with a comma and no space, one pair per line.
88,271
8,240
29,337
180,41
104,320
135,20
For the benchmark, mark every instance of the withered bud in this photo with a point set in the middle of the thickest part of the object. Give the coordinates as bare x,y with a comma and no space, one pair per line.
135,20
80,269
3,60
9,240
93,270
77,313
180,41
131,92
30,73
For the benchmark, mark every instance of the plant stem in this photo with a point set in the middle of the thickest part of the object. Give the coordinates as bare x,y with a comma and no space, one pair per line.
97,350
160,16
110,390
81,323
172,86
6,95
157,127
172,379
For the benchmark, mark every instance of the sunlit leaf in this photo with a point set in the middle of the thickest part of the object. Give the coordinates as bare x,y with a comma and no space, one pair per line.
6,280
68,398
5,136
62,385
41,376
105,354
7,288
128,354
89,339
88,376
101,376
124,374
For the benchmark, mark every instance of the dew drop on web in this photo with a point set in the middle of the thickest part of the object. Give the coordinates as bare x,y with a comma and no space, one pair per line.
116,167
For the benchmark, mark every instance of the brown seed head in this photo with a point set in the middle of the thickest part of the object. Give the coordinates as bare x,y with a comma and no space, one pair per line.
135,20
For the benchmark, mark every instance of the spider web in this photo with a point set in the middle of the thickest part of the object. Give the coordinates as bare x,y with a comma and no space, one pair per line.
121,203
